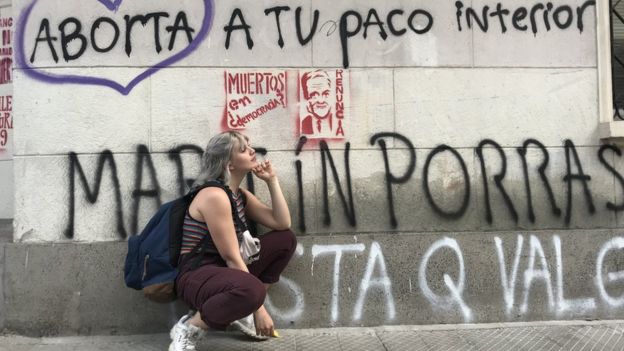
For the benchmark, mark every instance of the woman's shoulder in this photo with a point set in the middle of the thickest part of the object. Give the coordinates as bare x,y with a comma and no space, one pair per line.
212,196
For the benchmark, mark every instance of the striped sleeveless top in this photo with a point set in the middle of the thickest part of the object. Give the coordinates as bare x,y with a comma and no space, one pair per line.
194,231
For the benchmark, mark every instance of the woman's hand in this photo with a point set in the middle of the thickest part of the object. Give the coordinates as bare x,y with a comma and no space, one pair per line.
264,322
265,171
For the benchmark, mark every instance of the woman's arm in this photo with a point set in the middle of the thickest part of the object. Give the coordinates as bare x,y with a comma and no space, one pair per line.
215,209
278,217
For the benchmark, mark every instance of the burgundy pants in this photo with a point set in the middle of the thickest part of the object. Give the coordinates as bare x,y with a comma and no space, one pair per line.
223,295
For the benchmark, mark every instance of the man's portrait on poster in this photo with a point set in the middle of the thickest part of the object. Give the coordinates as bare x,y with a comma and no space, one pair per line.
320,95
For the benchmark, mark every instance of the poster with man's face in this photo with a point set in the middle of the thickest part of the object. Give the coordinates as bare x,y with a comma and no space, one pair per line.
323,102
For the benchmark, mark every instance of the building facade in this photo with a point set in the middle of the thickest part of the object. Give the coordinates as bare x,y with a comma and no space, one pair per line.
444,161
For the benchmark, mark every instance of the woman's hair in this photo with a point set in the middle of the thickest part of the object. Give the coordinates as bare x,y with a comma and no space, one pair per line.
215,160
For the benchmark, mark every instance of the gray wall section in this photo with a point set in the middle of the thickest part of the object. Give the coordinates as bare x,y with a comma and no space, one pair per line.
75,289
6,234
2,310
389,278
7,196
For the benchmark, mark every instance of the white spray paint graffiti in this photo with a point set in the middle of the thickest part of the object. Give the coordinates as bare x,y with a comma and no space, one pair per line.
375,258
612,277
568,305
294,313
456,289
509,285
558,302
542,276
338,250
531,274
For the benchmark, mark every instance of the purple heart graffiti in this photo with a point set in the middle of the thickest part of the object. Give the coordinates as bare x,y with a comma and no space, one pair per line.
34,73
111,5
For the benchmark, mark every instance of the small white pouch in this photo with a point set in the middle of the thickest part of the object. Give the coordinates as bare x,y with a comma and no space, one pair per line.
249,248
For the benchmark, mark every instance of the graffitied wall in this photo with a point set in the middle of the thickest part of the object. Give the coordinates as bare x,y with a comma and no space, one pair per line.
445,279
386,121
6,112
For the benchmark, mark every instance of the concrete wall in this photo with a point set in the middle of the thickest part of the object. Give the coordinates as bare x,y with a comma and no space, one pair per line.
367,279
463,180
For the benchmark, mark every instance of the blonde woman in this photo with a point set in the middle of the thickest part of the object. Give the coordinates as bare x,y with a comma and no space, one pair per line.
223,289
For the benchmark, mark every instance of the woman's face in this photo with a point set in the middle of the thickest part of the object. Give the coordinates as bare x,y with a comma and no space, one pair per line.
243,156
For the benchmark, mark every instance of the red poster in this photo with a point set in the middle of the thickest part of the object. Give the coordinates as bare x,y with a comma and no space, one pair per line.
252,95
323,103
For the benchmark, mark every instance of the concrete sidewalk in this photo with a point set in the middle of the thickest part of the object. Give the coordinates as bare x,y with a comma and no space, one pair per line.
565,335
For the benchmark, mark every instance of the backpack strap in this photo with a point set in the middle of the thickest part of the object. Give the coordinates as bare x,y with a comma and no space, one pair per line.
235,217
194,191
244,198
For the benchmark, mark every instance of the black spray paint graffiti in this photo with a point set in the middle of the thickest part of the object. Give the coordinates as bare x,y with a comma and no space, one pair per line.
437,209
298,166
143,159
398,22
174,155
348,207
414,22
571,156
145,173
6,50
562,16
390,177
522,151
498,180
92,195
71,31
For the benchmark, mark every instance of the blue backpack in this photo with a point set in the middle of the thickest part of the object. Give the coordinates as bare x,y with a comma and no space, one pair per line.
152,259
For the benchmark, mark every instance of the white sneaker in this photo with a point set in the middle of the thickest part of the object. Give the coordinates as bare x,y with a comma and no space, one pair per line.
182,321
246,326
185,336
